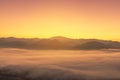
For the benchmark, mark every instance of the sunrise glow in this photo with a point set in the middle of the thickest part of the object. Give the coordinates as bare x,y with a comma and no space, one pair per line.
70,18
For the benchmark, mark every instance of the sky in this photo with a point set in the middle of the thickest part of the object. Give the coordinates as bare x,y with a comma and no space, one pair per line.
98,19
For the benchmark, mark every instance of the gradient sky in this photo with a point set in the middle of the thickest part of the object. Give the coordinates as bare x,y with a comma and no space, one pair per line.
71,18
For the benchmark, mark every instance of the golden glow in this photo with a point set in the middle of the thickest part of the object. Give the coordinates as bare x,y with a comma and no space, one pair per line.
74,18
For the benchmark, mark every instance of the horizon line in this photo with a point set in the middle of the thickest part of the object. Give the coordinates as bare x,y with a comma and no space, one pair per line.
56,36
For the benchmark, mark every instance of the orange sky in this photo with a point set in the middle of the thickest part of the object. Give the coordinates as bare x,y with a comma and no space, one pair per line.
71,18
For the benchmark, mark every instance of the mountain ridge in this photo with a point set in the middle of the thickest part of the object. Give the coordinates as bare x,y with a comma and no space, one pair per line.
58,43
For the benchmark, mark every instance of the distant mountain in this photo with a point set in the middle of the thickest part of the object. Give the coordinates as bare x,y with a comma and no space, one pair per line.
59,38
92,45
58,42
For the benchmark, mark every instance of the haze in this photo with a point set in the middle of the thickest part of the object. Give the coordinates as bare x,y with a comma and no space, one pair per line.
70,18
59,39
19,64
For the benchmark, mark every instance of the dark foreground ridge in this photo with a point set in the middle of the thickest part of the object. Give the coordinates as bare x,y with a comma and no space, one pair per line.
58,43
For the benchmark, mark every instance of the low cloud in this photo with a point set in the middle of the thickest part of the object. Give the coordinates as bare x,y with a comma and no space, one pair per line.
19,64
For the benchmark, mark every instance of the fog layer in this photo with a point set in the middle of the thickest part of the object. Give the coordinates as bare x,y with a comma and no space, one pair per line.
19,64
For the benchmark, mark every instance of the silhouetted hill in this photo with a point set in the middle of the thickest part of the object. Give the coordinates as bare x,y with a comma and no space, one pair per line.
58,43
92,45
60,38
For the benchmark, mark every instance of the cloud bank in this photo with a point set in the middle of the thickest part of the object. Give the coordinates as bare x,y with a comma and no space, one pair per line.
18,64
